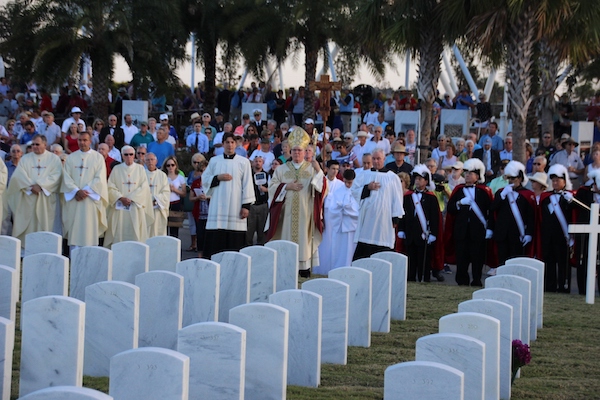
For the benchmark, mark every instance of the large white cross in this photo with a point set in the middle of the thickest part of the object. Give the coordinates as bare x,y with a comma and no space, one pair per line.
593,229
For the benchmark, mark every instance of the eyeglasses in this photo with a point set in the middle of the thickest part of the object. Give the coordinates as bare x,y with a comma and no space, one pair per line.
170,165
193,162
128,154
141,154
36,144
163,120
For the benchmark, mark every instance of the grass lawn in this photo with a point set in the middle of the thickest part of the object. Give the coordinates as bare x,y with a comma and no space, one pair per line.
565,357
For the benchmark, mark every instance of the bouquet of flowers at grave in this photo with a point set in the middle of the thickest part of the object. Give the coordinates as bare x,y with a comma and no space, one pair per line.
521,355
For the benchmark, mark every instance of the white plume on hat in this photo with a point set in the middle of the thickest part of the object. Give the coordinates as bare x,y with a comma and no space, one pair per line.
516,170
422,171
560,171
475,165
594,175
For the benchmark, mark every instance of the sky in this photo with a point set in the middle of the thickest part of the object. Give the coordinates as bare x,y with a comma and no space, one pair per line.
293,73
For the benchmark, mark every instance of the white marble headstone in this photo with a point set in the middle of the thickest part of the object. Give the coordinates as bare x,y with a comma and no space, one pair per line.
234,287
486,329
423,380
67,393
334,329
129,259
458,351
503,313
89,265
359,307
45,274
521,286
8,303
267,329
149,373
509,297
532,275
200,290
541,269
165,253
262,272
51,343
161,308
7,343
111,323
10,248
217,353
287,263
304,356
399,275
43,242
382,291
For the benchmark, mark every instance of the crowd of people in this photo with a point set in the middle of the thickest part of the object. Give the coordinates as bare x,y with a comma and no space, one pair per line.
339,195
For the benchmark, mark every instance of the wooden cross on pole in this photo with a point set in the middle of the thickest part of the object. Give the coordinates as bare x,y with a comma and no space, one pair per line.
593,229
325,86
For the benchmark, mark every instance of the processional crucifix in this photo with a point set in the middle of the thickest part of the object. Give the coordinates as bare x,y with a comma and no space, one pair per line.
325,86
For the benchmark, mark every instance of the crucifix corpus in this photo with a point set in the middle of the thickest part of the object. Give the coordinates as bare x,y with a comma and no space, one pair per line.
325,86
593,229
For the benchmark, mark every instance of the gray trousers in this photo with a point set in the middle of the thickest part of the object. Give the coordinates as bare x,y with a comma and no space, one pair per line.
256,224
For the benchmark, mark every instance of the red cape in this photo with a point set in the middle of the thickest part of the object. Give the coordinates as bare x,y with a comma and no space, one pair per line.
538,250
437,262
277,206
450,255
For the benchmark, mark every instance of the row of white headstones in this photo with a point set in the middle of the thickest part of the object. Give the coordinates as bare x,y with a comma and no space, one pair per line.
231,327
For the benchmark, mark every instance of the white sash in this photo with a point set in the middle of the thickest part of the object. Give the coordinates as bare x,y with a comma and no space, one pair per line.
560,215
475,207
512,200
420,214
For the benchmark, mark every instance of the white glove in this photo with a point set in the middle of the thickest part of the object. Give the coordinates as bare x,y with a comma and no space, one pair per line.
465,201
526,239
401,235
431,239
568,196
489,233
507,189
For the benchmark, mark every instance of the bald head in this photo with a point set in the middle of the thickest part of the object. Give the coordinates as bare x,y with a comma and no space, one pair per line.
103,149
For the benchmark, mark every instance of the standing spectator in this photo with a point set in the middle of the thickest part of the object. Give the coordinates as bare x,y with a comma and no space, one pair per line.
178,189
161,148
198,197
497,143
114,130
569,159
298,106
260,209
142,138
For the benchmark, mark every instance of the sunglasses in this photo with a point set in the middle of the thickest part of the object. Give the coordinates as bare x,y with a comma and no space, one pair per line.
129,154
193,162
170,165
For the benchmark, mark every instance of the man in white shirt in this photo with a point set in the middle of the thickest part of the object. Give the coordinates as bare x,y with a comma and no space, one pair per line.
49,129
379,142
113,152
264,152
129,128
371,117
506,154
361,148
75,118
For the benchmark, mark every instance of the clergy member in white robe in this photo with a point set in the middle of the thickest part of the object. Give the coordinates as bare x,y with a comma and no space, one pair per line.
159,187
33,190
296,193
341,218
380,196
3,180
228,184
130,210
85,193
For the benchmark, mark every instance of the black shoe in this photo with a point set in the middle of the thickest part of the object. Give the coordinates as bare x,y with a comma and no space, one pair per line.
437,275
476,283
304,273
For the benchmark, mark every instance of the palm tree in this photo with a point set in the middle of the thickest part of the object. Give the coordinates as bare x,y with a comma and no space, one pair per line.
61,32
276,29
507,31
416,26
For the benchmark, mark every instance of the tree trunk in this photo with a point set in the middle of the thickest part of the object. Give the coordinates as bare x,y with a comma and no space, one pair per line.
548,65
209,56
312,55
428,76
102,77
518,75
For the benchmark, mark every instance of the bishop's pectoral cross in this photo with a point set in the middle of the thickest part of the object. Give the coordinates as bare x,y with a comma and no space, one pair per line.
81,168
39,167
128,183
325,86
